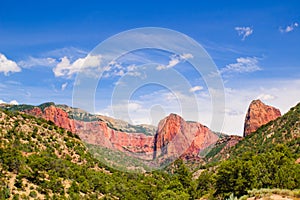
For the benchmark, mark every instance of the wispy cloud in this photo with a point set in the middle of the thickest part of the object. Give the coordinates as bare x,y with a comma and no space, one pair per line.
67,69
265,96
288,28
242,65
244,31
8,66
196,88
63,86
115,69
39,62
174,60
70,52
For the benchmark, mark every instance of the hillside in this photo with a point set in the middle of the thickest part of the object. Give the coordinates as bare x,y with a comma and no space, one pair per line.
174,137
282,130
266,158
39,160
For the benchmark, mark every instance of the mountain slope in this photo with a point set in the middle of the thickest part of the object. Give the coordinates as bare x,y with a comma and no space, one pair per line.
110,134
283,130
258,115
39,160
267,158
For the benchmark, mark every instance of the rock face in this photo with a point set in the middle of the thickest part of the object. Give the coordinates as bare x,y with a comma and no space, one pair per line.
174,137
54,114
259,114
98,133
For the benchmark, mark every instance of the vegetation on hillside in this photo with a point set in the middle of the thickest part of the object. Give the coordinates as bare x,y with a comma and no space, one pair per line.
264,159
39,160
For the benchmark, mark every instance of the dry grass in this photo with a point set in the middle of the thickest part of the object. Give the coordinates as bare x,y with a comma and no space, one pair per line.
272,194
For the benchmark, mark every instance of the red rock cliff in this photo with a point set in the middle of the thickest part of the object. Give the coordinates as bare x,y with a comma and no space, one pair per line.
259,114
176,137
56,115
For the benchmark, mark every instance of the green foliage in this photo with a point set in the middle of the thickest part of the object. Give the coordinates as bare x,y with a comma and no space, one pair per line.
33,194
215,150
206,183
4,192
171,195
275,169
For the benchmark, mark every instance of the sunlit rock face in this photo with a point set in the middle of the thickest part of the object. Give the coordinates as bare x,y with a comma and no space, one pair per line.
259,114
174,136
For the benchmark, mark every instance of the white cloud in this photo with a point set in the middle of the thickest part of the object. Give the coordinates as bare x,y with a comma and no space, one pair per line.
186,56
174,60
242,65
266,97
63,86
8,66
40,62
196,88
244,31
134,106
288,28
12,102
66,69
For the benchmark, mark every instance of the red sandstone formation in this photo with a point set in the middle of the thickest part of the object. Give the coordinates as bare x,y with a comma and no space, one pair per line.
98,133
175,137
259,114
56,115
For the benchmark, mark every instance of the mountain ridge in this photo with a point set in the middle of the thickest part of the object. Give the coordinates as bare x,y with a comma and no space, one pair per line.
192,137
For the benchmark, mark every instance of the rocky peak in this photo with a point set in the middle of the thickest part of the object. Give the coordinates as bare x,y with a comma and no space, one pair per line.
259,114
175,137
168,129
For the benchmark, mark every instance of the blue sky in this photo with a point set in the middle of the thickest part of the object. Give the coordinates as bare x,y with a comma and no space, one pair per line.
254,44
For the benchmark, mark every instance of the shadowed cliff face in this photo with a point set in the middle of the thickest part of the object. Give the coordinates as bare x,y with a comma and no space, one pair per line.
259,114
174,137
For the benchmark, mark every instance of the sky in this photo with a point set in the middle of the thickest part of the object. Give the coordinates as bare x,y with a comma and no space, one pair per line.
255,46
